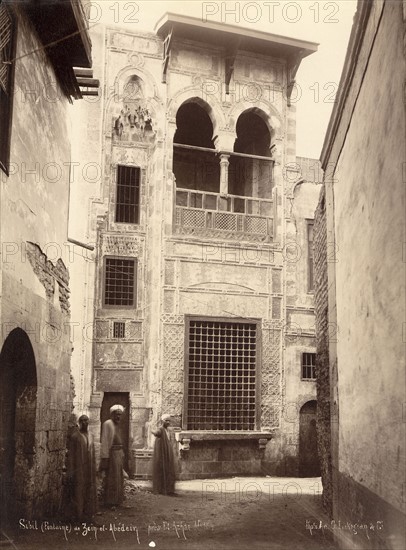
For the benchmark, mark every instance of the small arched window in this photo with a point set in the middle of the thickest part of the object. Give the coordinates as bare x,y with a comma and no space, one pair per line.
195,164
250,173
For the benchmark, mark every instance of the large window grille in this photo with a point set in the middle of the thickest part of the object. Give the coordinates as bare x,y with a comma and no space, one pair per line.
221,375
119,282
7,55
128,194
308,366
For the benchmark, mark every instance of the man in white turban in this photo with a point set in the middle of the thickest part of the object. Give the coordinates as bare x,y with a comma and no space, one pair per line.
112,458
163,463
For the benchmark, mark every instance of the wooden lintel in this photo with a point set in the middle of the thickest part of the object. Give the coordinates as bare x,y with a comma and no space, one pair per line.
89,92
89,82
85,73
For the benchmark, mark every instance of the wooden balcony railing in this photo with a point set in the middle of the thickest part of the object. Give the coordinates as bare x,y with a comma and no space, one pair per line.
229,213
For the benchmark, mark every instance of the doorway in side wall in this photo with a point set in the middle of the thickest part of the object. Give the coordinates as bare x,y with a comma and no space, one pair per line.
309,464
18,403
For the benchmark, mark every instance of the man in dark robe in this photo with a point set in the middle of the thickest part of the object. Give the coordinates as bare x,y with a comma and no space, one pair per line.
112,458
163,463
81,469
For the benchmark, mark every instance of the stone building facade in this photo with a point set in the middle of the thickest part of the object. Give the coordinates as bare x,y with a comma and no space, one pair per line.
36,86
360,285
202,268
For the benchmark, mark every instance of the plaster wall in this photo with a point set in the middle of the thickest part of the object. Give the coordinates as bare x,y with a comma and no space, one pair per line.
35,274
371,274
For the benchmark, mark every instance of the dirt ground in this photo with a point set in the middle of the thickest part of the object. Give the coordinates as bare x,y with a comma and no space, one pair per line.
237,513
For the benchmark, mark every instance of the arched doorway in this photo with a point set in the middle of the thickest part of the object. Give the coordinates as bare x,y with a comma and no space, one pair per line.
309,464
18,399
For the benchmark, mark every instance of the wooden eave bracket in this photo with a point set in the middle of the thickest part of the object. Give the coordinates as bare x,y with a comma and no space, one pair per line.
167,51
229,61
85,80
292,67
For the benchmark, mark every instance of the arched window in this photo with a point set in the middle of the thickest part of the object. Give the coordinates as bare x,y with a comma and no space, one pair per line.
250,173
195,164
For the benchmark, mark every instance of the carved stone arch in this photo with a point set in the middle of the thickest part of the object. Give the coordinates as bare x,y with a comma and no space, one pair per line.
147,103
151,89
207,102
264,110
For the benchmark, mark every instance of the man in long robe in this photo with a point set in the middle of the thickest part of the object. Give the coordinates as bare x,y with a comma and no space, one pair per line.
81,469
112,458
163,463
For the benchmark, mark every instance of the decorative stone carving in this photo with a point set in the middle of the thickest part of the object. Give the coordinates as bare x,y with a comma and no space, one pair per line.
221,234
184,444
120,245
262,443
133,331
270,378
173,354
173,319
135,121
136,59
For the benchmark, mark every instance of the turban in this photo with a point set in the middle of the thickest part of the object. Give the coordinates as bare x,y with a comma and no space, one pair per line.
116,408
166,417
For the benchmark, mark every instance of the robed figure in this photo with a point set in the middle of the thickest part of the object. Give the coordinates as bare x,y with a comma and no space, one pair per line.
81,470
112,458
163,462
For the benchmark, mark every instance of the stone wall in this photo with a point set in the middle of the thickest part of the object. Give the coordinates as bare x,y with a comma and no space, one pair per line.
214,459
322,357
35,293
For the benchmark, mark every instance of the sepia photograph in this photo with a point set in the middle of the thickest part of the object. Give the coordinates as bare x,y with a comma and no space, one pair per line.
202,275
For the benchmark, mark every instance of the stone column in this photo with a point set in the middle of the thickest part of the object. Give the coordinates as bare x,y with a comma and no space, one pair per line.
224,163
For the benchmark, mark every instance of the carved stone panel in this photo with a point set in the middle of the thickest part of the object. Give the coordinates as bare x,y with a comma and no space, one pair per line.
120,245
173,357
271,398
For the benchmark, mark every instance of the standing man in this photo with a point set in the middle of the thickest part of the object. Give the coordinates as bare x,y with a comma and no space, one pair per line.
163,473
112,458
81,469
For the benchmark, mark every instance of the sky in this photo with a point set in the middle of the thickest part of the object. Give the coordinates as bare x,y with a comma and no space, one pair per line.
325,22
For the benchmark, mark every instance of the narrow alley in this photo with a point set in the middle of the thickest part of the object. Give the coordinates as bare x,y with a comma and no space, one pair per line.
238,513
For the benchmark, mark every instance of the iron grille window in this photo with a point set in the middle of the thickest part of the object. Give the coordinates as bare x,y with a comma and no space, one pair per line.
308,366
119,282
221,377
128,194
118,329
310,285
7,55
